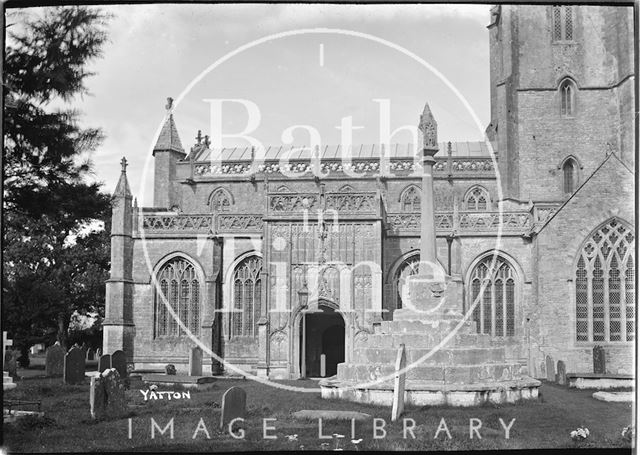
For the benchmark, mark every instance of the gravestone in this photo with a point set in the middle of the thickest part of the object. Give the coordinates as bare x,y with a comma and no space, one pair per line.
54,363
98,353
90,354
561,376
599,360
323,365
107,395
398,384
195,361
11,362
234,404
119,362
73,372
551,371
104,362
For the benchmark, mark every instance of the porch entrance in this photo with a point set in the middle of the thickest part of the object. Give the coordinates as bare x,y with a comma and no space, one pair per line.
321,334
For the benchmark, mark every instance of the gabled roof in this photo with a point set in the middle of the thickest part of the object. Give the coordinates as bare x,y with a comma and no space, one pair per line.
169,138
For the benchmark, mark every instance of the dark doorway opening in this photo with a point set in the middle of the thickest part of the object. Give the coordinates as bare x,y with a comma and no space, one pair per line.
321,333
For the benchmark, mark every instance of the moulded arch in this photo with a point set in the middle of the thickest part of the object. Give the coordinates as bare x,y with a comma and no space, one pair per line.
223,191
578,252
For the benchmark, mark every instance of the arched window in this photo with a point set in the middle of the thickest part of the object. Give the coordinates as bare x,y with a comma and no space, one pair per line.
477,199
496,286
410,199
179,288
568,92
562,23
408,267
247,298
220,200
569,175
605,285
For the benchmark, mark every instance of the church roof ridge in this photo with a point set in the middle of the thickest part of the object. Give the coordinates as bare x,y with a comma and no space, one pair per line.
466,149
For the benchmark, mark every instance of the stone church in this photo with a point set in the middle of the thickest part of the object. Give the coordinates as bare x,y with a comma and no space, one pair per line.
280,262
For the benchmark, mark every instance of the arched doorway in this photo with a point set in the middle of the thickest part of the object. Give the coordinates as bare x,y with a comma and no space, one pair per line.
322,333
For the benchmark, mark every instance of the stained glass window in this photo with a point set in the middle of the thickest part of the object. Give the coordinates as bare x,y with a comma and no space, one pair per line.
605,287
495,311
178,291
247,295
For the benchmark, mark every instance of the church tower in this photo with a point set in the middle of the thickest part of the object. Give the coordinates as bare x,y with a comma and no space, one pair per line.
167,152
118,322
561,95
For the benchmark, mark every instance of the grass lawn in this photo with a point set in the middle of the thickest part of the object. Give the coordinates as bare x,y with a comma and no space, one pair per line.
68,427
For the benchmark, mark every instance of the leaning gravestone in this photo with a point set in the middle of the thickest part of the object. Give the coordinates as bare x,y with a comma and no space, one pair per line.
234,404
599,360
119,362
54,362
398,385
107,396
104,362
561,376
551,371
195,361
73,372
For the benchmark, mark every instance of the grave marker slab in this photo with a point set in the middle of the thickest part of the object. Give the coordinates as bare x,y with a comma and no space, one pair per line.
119,362
195,361
104,362
73,371
54,362
107,396
551,370
234,404
11,362
561,376
599,360
90,354
398,384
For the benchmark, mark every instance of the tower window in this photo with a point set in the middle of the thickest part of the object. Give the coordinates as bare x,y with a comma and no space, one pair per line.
562,23
569,173
567,98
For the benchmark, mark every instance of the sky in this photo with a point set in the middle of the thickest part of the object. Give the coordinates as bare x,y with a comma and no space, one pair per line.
311,77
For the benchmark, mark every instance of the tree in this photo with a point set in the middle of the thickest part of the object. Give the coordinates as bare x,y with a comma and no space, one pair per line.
47,198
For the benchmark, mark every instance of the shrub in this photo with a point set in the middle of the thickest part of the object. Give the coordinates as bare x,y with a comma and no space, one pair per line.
170,369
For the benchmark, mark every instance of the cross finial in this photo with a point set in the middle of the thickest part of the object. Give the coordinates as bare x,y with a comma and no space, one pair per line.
207,142
169,105
199,137
123,163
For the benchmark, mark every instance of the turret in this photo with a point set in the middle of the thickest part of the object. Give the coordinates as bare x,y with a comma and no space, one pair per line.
167,152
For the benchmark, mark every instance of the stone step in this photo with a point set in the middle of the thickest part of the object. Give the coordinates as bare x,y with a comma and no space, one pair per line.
438,325
425,340
465,374
445,356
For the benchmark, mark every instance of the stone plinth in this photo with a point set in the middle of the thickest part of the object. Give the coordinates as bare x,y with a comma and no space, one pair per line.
448,362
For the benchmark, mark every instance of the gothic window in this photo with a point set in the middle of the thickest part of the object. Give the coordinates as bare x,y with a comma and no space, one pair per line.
477,199
495,287
569,176
410,199
220,200
567,98
247,297
408,267
178,288
605,286
562,23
